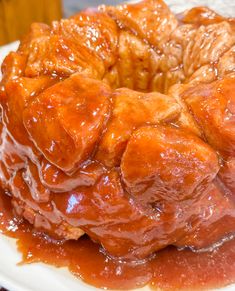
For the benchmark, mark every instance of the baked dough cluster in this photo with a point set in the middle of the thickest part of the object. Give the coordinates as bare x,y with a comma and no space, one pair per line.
119,123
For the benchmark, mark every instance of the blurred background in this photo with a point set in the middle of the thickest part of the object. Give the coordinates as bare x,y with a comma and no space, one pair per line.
74,5
17,15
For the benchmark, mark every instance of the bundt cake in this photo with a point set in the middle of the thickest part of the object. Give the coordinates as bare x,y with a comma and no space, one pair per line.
119,123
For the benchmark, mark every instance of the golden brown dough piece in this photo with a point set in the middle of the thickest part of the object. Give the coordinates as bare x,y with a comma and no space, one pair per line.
119,122
72,122
146,174
132,109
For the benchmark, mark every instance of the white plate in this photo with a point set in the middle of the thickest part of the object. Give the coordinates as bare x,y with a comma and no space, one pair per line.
41,277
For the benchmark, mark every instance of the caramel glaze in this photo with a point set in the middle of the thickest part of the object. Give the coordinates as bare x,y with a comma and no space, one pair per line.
169,269
134,171
203,15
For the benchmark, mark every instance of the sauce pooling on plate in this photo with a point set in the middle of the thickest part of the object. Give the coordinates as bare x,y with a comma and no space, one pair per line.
169,269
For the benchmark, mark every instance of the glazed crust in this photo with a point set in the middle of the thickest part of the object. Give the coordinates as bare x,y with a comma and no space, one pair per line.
120,123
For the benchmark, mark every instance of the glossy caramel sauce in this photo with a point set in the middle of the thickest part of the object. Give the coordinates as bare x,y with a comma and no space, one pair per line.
169,269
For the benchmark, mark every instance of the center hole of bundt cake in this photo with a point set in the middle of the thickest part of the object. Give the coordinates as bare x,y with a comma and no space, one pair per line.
143,68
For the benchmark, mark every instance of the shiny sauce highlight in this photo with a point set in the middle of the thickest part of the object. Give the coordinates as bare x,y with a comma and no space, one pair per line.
169,269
